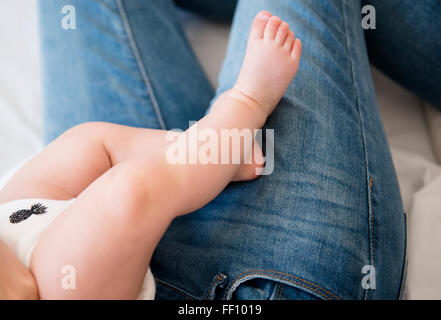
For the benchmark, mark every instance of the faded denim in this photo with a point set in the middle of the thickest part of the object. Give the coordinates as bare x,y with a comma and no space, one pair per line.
332,205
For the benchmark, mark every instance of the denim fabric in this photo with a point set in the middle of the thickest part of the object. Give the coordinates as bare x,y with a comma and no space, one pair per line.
111,69
407,45
332,205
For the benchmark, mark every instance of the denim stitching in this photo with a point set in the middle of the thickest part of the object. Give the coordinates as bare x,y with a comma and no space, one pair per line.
281,287
292,282
276,293
141,65
281,291
261,272
209,290
164,284
219,278
371,220
370,213
405,264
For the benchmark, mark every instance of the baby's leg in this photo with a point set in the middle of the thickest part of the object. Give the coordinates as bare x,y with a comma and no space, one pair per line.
77,158
108,235
81,155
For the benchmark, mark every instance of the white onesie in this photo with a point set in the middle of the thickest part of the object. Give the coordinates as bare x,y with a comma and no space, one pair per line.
22,222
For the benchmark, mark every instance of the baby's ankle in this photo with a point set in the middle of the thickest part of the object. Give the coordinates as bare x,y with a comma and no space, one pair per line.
257,107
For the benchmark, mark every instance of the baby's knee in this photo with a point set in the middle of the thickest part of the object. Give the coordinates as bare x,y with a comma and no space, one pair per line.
85,129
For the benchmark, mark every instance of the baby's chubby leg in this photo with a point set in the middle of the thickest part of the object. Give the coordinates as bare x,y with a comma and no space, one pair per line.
271,62
82,154
109,233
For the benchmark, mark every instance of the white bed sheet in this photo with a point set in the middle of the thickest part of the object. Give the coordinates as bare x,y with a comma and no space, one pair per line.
404,117
20,112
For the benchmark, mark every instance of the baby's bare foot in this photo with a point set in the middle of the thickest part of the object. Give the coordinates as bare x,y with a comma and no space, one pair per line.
271,62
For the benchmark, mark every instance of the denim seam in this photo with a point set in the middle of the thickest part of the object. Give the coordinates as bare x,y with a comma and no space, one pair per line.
357,99
276,294
141,65
281,287
404,269
275,291
213,284
175,289
292,282
298,281
371,220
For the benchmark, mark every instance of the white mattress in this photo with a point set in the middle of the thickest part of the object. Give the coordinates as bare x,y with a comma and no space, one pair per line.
404,118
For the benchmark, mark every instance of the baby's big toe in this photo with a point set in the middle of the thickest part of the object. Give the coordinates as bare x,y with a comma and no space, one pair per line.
259,24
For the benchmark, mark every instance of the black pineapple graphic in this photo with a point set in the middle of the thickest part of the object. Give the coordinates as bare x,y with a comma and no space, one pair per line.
21,215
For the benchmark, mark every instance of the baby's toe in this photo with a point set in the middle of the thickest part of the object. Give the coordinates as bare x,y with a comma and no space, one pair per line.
296,50
272,27
282,32
259,24
289,41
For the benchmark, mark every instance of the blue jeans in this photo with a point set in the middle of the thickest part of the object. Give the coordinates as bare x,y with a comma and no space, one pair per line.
330,216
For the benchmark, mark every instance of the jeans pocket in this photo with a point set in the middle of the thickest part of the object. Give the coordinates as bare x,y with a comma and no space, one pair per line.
273,285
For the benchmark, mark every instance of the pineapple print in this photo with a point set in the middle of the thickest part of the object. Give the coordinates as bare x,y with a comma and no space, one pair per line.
21,215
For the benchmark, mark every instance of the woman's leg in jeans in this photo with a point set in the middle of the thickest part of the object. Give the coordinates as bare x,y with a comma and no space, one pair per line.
406,45
218,10
127,62
329,218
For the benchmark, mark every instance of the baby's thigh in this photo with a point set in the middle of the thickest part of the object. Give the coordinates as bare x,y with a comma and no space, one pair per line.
99,244
63,169
104,239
